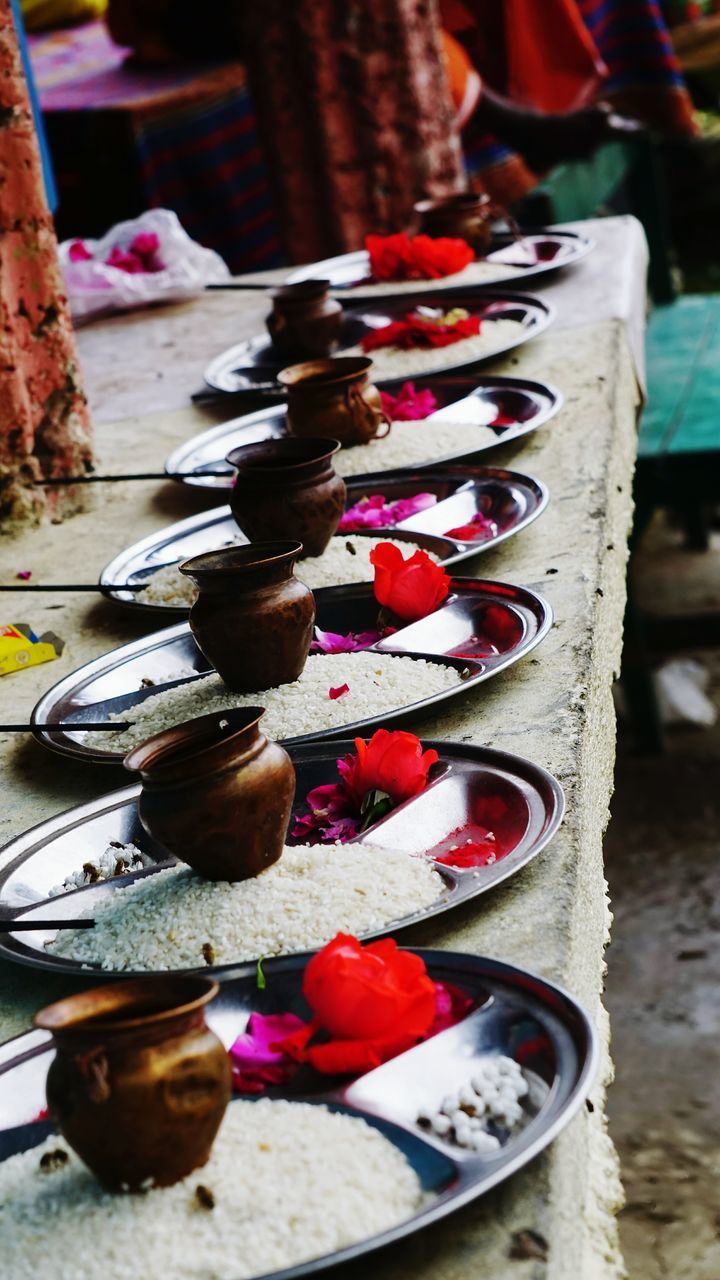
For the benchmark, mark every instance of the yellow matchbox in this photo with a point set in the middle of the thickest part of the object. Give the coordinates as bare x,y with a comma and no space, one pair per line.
21,648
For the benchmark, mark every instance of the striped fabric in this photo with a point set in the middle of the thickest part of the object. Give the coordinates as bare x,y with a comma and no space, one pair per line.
203,160
644,75
644,80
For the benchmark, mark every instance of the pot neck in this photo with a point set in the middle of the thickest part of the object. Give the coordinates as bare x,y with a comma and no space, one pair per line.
89,1037
180,766
243,578
295,473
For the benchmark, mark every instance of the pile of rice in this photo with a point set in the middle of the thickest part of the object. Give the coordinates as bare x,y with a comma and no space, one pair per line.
346,559
175,919
116,860
285,1182
412,443
377,683
392,362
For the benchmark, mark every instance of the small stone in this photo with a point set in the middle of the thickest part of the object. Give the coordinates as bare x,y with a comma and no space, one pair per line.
204,1196
528,1244
53,1160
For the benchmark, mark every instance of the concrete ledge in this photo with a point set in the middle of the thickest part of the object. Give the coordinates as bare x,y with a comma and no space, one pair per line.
556,708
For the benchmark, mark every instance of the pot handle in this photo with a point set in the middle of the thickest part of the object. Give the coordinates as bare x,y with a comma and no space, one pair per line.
95,1071
354,393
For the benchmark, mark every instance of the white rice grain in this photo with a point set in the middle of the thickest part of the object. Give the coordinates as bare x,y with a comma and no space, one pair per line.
377,683
289,1180
412,443
167,921
392,362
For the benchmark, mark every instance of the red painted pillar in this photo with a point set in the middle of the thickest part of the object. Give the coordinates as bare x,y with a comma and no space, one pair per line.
44,419
355,113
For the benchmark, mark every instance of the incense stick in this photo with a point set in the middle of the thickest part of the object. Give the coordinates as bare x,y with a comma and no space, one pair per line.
56,726
25,926
74,586
136,475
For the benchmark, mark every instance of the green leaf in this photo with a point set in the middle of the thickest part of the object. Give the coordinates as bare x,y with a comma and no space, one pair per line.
375,804
260,979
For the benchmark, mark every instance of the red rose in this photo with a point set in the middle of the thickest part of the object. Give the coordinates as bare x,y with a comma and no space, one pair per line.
392,762
373,1001
410,588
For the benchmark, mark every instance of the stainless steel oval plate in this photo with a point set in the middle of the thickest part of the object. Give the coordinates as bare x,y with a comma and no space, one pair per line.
480,629
472,790
253,365
509,261
510,500
516,1013
517,406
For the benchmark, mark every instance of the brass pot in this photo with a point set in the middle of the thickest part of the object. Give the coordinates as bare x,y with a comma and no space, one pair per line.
288,488
305,321
333,398
466,216
139,1084
252,618
216,794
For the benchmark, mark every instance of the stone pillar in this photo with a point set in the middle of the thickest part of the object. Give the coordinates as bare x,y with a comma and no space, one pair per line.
355,115
44,419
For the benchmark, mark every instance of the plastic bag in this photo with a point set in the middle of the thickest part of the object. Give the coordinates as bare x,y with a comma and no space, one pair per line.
95,288
680,687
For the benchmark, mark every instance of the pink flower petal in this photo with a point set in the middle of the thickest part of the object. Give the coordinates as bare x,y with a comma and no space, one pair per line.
339,692
409,405
255,1060
78,252
24,574
374,512
333,642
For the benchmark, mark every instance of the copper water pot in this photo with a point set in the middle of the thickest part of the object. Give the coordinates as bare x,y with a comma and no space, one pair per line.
333,398
216,794
305,321
253,619
288,488
465,216
139,1084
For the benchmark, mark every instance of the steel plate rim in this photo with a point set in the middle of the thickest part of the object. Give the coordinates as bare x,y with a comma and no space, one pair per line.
586,1047
194,479
492,759
110,574
584,244
540,315
62,745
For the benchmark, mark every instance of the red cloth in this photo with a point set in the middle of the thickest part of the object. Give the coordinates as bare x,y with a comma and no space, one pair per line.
550,59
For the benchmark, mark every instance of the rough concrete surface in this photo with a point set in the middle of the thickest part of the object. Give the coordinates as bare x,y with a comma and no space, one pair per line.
556,708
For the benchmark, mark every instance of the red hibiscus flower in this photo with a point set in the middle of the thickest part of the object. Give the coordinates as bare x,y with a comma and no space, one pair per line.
411,588
391,762
373,1002
403,257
